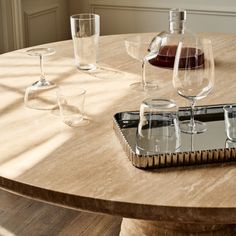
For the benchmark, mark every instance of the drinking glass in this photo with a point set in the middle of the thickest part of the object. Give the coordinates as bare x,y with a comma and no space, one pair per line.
230,121
138,48
230,144
42,93
85,30
71,105
193,78
158,128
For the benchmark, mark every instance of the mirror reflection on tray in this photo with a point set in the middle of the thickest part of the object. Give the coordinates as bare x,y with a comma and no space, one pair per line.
211,146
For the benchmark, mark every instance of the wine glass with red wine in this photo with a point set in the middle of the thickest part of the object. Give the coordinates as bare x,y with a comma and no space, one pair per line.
138,48
193,78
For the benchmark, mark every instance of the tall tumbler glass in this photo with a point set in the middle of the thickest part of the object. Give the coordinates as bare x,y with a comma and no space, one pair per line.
85,30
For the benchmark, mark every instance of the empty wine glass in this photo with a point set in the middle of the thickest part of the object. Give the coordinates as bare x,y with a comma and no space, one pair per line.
193,78
42,93
138,48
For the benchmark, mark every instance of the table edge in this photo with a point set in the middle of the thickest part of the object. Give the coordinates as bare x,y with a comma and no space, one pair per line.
207,215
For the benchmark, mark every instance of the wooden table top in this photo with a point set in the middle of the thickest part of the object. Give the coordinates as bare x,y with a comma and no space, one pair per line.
86,167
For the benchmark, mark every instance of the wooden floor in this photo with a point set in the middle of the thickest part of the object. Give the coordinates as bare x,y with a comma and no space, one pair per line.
24,217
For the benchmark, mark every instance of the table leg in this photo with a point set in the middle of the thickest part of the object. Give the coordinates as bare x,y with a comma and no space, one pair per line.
132,227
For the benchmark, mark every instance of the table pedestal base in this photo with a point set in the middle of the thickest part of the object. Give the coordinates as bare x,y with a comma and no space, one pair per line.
131,227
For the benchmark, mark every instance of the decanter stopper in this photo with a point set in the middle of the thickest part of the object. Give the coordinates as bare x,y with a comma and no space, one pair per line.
177,19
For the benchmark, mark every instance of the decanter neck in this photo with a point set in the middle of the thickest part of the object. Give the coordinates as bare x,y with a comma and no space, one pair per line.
177,27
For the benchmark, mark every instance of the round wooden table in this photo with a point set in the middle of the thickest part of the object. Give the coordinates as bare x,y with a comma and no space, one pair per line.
86,168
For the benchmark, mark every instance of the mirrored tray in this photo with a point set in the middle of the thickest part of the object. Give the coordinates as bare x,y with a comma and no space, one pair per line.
211,146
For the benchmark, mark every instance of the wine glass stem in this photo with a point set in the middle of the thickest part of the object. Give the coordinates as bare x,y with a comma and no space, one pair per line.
192,122
42,75
192,143
143,73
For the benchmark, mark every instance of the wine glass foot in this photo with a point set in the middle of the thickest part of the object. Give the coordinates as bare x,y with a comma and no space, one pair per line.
139,86
42,97
41,52
198,127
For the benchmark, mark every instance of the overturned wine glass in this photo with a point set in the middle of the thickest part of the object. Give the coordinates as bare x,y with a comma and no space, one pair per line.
42,93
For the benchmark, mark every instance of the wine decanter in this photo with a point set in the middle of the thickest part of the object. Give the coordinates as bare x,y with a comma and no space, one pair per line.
167,41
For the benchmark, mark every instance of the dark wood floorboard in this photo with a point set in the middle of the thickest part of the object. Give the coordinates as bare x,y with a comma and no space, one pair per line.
20,216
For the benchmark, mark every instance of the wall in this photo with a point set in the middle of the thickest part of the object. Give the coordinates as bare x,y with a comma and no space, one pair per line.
1,30
79,6
26,23
6,30
128,16
31,22
45,21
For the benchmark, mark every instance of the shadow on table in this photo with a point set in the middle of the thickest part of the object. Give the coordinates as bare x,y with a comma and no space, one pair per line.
103,72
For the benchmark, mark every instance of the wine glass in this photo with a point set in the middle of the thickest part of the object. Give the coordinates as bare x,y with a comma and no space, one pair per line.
138,48
42,93
193,77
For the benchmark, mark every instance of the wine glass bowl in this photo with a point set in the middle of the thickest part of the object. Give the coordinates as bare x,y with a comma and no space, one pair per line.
42,93
137,47
193,78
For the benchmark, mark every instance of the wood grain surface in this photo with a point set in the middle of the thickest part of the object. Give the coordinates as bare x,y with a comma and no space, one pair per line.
20,216
86,168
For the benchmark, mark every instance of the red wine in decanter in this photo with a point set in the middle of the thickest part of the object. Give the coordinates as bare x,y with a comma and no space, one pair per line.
189,58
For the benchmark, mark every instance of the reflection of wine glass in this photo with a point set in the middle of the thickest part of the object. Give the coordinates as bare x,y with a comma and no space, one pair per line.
193,77
42,93
137,47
